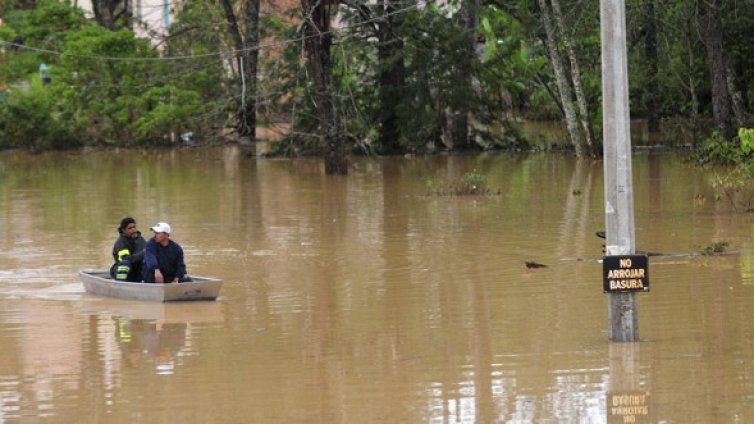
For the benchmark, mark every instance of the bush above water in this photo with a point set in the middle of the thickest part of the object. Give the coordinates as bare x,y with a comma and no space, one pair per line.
471,183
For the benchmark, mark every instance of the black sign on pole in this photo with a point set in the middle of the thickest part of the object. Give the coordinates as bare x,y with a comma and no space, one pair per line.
626,273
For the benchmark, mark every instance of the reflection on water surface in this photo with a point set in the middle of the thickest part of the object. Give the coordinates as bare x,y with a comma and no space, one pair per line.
365,298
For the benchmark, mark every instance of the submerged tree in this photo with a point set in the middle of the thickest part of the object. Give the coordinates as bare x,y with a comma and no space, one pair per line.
108,13
392,77
380,26
402,76
575,130
712,30
651,92
246,46
318,41
457,113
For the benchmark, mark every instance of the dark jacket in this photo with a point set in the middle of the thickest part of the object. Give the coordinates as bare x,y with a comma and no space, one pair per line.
169,259
134,245
129,264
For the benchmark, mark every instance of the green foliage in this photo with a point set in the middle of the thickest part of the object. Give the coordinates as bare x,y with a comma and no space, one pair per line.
471,183
511,64
436,61
117,93
715,248
43,27
111,88
108,87
200,31
715,150
746,137
682,71
28,120
436,69
164,110
50,21
19,65
735,186
732,163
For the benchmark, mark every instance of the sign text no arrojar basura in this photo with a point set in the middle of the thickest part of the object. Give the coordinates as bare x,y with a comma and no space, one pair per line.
626,273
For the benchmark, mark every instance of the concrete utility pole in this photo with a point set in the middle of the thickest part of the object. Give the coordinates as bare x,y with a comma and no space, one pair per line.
623,320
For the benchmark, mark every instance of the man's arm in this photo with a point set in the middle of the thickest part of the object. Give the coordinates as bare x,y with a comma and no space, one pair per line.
150,256
119,245
138,254
150,262
180,265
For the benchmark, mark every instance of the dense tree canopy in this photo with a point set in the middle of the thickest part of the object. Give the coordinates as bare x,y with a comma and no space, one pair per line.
401,76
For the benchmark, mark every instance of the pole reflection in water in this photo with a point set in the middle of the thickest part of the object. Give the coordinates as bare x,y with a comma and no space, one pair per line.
367,298
627,399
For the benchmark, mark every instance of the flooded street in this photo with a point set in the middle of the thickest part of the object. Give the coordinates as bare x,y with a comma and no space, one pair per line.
366,298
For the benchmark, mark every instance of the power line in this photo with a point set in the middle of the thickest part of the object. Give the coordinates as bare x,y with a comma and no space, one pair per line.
227,53
224,104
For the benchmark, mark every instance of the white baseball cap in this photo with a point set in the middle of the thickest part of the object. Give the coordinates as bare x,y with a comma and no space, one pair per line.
161,227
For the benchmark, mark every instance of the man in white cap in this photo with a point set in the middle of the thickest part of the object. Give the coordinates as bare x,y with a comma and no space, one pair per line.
163,258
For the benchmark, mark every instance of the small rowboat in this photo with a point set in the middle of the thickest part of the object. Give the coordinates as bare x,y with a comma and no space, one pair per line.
99,282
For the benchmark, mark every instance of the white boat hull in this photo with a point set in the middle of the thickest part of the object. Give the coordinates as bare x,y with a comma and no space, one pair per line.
99,282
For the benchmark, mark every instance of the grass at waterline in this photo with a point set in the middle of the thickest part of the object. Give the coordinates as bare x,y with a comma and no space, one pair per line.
714,248
470,184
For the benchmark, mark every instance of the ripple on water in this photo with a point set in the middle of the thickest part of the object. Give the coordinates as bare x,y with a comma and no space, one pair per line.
52,283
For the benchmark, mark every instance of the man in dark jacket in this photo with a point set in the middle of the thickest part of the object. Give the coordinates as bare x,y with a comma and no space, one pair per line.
128,252
163,258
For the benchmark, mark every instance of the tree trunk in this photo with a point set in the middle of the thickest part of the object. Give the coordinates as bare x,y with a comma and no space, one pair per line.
651,90
247,56
713,40
575,75
250,54
392,79
564,86
740,111
317,42
692,84
233,29
457,116
22,5
127,14
103,13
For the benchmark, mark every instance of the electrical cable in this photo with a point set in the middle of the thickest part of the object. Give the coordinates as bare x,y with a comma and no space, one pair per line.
232,52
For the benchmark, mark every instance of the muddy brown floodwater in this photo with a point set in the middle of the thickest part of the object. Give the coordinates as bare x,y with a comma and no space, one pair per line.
366,298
